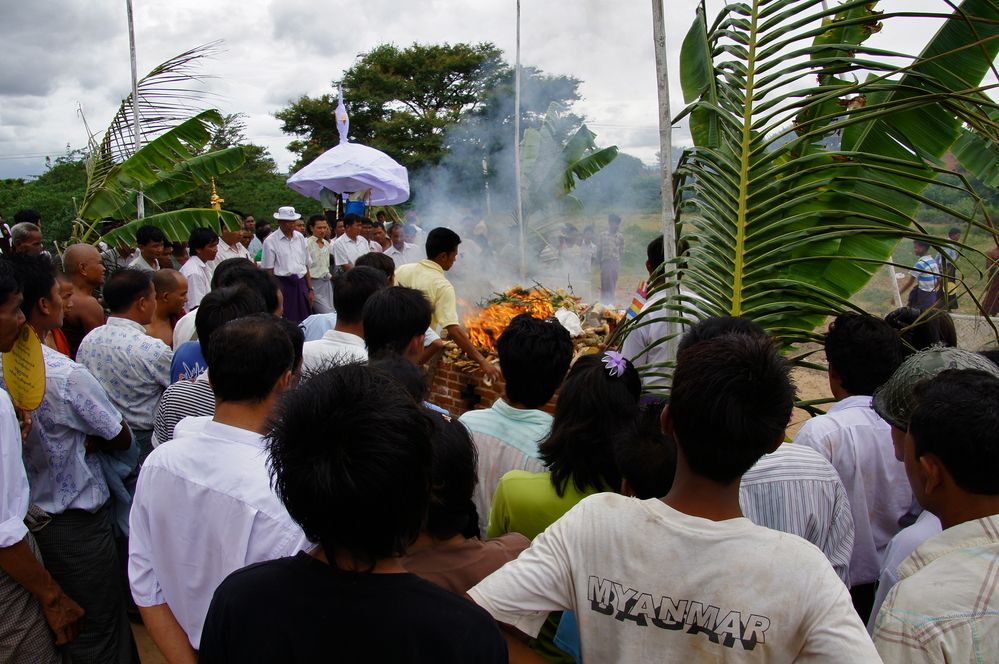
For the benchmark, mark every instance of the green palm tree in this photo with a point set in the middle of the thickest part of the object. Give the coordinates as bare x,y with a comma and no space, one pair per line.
170,163
811,150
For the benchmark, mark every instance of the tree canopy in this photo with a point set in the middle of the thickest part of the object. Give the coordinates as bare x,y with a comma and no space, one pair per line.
408,102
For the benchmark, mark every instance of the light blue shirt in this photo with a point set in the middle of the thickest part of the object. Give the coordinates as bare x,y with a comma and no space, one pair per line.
61,474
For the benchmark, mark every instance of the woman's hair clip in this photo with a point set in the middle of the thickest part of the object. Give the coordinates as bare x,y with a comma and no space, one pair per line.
615,363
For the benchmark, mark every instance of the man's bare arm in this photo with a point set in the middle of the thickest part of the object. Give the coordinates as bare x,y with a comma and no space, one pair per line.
457,333
62,613
168,635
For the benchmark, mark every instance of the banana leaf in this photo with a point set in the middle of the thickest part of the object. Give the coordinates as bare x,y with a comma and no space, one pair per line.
155,160
176,225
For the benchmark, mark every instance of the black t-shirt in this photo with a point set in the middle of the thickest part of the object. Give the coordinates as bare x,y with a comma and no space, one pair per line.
302,610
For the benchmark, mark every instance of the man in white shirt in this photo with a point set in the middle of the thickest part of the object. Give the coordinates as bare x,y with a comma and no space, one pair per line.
231,246
687,575
286,256
203,245
74,424
149,240
35,607
863,352
945,607
345,342
133,367
399,250
204,506
351,245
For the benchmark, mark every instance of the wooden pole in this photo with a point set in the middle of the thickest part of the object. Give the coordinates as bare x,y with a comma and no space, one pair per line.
516,156
140,208
665,151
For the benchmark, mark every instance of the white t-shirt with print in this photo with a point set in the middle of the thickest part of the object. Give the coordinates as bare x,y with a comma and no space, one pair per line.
649,583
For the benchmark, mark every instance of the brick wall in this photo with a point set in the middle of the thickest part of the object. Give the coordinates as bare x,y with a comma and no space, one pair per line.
457,391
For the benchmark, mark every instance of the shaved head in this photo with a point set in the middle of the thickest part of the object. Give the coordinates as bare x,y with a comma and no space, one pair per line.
77,255
166,280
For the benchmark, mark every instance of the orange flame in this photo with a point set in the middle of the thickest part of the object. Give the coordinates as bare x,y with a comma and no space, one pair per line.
485,326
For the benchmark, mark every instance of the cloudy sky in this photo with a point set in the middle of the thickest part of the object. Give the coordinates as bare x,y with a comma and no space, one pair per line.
60,56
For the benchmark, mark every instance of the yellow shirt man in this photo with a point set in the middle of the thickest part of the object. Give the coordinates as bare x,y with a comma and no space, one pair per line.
428,276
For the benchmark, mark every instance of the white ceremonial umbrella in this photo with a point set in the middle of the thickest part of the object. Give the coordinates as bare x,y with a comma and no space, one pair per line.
351,167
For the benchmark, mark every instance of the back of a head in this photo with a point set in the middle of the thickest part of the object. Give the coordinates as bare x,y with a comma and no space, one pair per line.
731,400
351,289
27,216
594,410
410,376
716,326
454,473
441,240
124,288
647,461
10,280
379,261
32,276
219,307
956,419
241,272
221,275
534,355
377,461
654,253
920,330
393,317
863,351
296,335
249,355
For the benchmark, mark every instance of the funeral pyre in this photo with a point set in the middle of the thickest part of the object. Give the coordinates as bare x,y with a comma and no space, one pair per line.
589,325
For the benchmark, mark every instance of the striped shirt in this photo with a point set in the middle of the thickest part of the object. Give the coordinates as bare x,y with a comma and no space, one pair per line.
926,271
795,490
185,398
506,439
945,606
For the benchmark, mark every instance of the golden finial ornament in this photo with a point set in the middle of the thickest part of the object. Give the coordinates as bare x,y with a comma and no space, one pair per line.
215,199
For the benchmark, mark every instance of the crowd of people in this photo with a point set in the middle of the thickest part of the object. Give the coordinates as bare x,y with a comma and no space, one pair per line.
242,454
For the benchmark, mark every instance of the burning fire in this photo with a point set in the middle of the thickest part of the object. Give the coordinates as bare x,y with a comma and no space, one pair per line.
487,324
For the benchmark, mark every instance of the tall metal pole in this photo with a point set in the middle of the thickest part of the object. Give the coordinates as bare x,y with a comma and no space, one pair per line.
665,151
139,202
516,156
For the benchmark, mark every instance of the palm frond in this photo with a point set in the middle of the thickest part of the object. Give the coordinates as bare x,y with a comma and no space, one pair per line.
811,151
166,96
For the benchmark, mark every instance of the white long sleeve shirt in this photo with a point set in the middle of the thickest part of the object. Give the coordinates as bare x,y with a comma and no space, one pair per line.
203,509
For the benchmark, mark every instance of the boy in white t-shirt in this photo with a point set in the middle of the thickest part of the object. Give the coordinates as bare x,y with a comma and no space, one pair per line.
687,578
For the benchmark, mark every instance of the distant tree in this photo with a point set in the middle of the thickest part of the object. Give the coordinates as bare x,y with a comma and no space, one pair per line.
407,102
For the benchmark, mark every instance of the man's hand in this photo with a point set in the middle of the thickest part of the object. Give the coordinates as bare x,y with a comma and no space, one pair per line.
24,421
491,371
63,616
312,296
